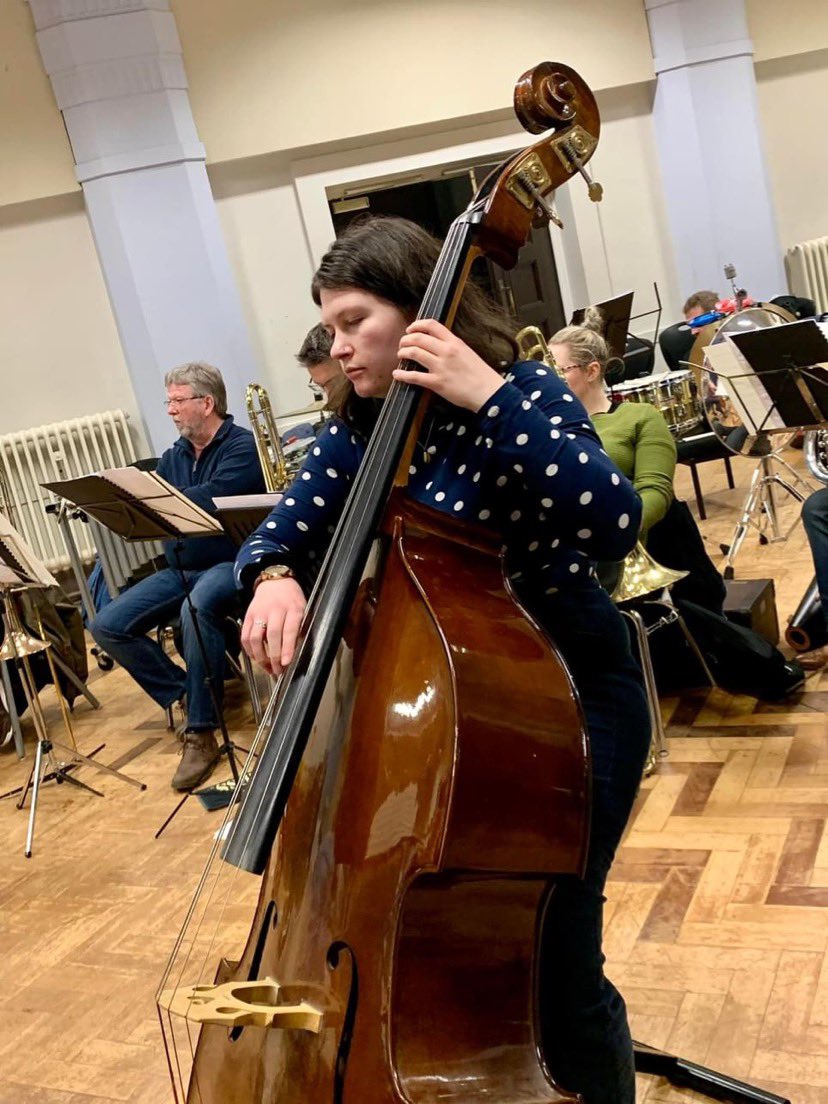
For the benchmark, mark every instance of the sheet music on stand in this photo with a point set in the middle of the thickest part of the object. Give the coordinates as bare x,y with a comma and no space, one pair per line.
242,514
792,364
16,554
137,505
776,378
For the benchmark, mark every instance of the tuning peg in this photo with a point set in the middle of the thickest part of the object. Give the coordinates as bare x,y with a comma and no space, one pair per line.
595,191
545,208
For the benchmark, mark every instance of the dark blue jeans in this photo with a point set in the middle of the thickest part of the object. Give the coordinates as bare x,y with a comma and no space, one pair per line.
585,1033
121,630
815,521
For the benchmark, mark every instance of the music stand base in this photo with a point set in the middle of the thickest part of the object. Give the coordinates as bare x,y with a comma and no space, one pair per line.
759,511
686,1074
229,749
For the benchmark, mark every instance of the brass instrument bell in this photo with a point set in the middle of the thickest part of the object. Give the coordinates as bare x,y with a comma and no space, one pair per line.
532,346
641,575
17,642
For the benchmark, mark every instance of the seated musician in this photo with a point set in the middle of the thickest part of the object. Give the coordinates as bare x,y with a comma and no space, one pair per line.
325,373
676,341
637,438
212,456
815,522
517,454
634,434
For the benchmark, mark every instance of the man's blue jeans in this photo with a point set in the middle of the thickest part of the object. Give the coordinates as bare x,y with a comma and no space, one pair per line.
815,521
121,627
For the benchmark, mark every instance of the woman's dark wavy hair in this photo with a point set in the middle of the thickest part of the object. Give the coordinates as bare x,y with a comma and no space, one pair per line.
393,259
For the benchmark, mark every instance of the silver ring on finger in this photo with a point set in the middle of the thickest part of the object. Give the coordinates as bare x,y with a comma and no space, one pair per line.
261,623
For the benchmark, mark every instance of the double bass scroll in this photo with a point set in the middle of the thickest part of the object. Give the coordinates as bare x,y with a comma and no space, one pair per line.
399,812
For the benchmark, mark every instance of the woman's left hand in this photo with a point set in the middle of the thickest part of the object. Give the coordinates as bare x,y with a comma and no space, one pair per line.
452,369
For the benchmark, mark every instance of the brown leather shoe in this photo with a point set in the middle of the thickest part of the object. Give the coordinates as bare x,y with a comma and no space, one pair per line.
813,661
199,755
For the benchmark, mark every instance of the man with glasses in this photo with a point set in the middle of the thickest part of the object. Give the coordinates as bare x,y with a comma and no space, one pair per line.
212,457
326,375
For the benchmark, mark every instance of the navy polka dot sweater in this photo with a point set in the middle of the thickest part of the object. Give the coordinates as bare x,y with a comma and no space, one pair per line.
529,465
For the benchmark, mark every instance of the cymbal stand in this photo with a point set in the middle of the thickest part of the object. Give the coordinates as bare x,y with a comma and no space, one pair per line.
759,511
18,646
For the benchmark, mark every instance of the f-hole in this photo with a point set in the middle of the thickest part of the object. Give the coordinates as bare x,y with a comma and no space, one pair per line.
335,953
269,922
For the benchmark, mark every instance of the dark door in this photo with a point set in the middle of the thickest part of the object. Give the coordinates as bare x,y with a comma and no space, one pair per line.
530,291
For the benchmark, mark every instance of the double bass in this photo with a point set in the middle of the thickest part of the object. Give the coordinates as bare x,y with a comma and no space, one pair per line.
423,776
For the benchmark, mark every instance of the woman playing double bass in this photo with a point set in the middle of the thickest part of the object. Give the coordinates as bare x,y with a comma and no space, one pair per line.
510,449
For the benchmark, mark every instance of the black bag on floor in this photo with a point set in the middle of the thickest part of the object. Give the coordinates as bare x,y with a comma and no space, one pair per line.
739,659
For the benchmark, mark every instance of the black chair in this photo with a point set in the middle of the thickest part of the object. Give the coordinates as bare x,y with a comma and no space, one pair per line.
675,343
698,449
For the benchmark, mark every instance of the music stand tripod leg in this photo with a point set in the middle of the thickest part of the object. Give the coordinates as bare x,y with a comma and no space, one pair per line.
88,761
11,708
744,522
79,684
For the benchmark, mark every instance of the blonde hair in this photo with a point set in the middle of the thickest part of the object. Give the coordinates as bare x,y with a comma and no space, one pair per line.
586,342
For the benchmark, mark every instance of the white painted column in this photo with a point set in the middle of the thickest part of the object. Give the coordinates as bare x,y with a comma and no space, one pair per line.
118,77
710,146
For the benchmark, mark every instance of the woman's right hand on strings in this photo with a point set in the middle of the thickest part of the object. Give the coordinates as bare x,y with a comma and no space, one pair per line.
271,624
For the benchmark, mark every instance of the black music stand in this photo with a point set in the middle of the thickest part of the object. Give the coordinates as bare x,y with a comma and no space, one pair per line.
17,573
777,382
616,321
141,506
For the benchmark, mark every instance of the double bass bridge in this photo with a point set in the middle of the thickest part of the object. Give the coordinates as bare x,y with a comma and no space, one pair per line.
261,1003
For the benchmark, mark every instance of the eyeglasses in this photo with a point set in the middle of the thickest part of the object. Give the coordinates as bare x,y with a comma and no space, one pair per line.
175,403
568,368
320,390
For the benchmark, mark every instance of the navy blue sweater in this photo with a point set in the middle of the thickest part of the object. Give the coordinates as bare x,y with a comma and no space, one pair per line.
529,465
229,465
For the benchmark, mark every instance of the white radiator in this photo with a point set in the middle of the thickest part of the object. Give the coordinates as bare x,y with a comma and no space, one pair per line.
806,266
60,451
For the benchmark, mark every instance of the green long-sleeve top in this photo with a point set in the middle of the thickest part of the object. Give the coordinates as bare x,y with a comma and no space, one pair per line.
638,441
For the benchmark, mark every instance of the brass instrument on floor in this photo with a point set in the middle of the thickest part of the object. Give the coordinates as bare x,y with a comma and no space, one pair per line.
266,434
532,346
642,575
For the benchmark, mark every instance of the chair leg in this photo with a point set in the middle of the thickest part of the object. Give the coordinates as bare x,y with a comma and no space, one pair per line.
657,743
697,489
729,471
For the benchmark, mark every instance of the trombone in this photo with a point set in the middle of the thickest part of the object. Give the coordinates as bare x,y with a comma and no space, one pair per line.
268,443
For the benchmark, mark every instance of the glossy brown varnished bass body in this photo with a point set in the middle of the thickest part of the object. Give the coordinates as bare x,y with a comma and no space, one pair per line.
425,775
416,848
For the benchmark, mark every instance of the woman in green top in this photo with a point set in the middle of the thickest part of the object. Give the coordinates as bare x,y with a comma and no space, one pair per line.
634,435
637,440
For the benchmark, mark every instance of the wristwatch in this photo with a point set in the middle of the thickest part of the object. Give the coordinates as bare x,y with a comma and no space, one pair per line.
275,571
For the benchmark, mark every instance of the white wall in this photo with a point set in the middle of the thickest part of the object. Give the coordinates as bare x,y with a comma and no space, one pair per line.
270,75
59,351
269,253
792,95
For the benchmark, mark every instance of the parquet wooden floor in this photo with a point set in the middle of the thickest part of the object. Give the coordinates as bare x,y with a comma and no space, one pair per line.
717,911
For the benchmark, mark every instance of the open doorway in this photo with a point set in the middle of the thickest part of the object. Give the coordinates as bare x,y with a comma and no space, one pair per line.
530,291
